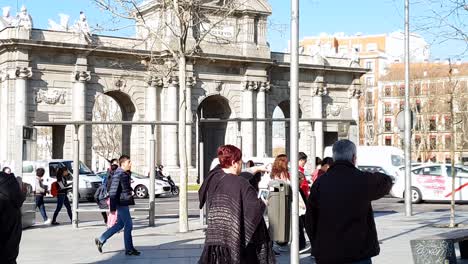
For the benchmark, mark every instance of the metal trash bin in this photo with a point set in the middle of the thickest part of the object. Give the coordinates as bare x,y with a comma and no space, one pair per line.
279,210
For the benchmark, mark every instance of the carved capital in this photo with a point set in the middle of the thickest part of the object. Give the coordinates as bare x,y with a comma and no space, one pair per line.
172,81
4,75
250,86
155,81
354,93
82,76
190,82
23,72
265,86
319,91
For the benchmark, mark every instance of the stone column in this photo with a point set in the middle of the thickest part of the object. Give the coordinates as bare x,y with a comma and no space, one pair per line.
261,126
79,108
317,112
247,112
171,113
21,103
4,76
354,94
154,83
189,118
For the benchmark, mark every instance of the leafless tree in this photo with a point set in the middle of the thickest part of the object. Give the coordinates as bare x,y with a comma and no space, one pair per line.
444,20
183,27
107,139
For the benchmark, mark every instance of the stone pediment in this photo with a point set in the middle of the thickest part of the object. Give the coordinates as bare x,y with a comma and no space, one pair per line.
256,6
251,6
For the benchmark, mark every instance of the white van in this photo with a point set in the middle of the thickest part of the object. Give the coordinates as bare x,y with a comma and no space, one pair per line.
88,181
385,159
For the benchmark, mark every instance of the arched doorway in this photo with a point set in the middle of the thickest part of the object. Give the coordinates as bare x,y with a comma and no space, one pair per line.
280,130
213,135
111,141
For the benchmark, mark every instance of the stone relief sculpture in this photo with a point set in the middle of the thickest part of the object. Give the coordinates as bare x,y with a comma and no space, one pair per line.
50,96
23,19
62,26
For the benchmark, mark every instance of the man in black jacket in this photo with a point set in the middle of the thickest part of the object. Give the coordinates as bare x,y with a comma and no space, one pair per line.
339,216
11,200
121,196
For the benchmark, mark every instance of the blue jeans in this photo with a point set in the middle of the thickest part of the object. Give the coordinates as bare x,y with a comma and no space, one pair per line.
124,220
62,199
364,261
40,204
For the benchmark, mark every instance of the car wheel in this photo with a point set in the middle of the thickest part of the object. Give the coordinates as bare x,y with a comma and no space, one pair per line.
175,191
141,192
416,196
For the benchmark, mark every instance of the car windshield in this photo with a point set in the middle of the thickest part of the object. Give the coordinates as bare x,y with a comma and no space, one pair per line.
397,160
83,168
138,176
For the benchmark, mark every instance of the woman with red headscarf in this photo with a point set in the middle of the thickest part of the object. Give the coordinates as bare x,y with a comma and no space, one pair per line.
236,231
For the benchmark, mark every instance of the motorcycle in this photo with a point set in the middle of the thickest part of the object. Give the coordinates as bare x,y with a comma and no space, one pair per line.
160,175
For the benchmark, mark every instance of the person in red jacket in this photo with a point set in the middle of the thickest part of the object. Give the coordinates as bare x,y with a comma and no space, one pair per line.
304,192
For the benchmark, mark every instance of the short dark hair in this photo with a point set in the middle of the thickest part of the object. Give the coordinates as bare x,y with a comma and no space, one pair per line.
113,160
123,158
250,164
5,168
327,161
40,172
302,156
227,154
318,161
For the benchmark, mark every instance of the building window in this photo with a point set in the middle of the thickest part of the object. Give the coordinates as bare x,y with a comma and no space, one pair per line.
432,143
448,123
388,91
370,65
369,98
388,109
417,141
448,142
432,124
388,125
401,91
357,47
369,115
371,47
369,81
417,89
388,141
418,106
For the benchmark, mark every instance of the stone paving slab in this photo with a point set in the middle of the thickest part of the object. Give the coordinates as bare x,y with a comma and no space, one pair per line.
163,244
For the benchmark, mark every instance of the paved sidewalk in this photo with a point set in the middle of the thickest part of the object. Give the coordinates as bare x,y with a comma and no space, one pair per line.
163,244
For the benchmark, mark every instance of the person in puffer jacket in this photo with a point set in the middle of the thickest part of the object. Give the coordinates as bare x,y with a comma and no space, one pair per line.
121,196
11,200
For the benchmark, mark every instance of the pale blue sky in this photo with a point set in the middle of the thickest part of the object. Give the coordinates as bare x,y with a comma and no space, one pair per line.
316,16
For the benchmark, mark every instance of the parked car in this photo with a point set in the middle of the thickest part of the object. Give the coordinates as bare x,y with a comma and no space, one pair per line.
140,185
88,181
434,182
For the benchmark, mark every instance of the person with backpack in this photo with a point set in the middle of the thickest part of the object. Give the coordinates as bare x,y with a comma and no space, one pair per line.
60,188
39,193
102,194
121,196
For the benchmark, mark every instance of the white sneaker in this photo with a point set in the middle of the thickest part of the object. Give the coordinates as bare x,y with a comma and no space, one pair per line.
305,249
48,221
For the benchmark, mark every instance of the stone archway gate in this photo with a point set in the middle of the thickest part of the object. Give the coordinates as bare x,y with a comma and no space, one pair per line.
76,161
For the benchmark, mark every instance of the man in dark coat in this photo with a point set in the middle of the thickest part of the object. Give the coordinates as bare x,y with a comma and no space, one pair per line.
11,200
339,217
